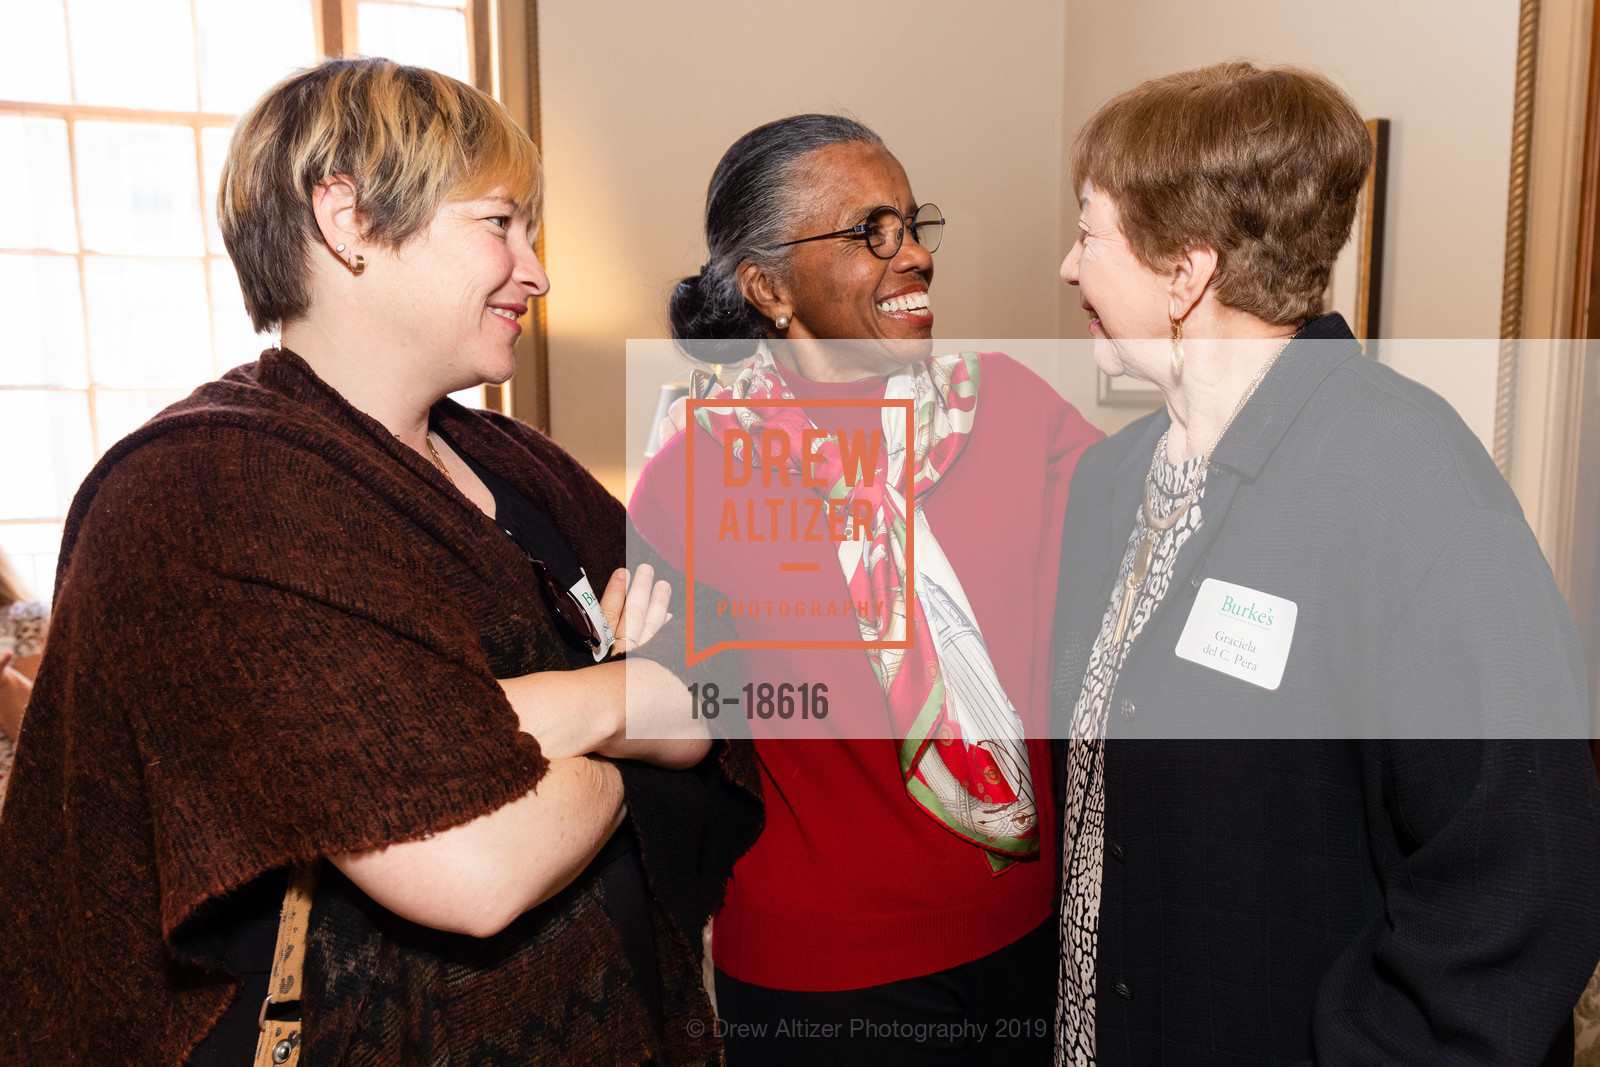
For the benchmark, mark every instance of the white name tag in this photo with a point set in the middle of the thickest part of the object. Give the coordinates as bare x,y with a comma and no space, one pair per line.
583,592
1239,631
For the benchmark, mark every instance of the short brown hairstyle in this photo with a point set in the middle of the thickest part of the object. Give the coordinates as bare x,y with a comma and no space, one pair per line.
407,138
1262,165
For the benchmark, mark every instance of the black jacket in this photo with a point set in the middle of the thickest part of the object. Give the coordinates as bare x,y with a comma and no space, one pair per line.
1358,867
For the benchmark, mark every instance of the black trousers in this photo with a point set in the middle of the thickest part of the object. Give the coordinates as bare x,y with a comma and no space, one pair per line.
999,1009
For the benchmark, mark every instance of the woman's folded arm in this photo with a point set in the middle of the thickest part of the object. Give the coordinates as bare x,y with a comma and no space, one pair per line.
476,878
625,709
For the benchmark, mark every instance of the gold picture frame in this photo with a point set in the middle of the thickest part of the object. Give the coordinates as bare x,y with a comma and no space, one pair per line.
1369,229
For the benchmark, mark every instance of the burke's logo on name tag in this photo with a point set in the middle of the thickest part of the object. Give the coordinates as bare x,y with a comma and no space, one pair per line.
1239,631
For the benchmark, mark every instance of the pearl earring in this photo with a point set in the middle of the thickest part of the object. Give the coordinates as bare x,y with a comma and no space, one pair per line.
338,247
782,322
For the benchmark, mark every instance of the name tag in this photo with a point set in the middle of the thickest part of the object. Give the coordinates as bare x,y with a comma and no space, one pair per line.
583,593
1239,631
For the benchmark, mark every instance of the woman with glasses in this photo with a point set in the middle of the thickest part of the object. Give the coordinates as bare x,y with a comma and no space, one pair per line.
896,908
329,752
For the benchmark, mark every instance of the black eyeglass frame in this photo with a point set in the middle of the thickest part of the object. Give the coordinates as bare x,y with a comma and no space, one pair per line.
908,224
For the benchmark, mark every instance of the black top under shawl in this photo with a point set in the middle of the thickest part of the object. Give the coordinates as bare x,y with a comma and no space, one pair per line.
242,927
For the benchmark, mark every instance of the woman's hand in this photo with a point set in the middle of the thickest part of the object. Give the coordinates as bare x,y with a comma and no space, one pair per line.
590,710
15,688
575,713
635,609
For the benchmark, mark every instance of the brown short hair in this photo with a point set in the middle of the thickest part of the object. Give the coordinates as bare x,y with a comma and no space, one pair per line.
407,138
1262,165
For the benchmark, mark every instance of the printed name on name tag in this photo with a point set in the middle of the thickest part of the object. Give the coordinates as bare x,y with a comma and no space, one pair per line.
1239,631
583,592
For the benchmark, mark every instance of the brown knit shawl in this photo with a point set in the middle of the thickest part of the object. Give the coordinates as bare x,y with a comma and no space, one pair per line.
276,636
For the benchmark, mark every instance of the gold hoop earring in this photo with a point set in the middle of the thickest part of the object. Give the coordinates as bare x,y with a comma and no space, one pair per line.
358,264
1177,349
781,322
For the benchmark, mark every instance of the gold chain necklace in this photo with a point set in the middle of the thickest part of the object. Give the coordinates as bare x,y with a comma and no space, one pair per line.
433,453
1153,526
437,462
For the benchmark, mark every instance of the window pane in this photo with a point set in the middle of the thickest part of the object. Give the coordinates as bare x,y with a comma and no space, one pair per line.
246,48
119,412
33,51
237,340
41,322
419,36
32,547
148,325
139,188
133,54
35,185
52,430
214,152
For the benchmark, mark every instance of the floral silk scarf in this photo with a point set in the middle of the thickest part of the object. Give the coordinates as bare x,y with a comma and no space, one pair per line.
962,752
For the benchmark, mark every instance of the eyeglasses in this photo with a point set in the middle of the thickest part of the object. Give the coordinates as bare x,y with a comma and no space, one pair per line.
885,231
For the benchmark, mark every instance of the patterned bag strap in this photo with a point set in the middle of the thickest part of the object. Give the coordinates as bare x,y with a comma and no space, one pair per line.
279,1043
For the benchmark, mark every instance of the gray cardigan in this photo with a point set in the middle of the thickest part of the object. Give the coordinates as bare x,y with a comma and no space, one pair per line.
1343,869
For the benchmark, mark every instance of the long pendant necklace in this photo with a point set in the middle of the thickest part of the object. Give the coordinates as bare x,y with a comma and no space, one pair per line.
1153,526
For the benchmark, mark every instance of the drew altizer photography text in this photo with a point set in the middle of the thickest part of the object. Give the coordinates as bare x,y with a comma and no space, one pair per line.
796,506
919,1033
831,519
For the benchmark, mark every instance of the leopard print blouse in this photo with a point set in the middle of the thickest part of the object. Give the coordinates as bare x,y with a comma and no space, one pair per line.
1084,810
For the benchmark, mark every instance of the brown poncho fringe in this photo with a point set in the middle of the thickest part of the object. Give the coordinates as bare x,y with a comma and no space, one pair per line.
276,637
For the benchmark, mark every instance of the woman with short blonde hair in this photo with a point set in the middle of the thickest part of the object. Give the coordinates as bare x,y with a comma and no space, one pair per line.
323,630
409,139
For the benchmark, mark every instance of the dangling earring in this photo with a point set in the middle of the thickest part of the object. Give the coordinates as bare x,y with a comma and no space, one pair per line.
1177,349
358,264
781,322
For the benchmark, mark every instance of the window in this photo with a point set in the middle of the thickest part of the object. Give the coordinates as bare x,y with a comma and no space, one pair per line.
116,294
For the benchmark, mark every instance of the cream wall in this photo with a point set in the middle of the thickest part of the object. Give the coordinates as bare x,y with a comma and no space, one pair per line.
640,101
981,103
